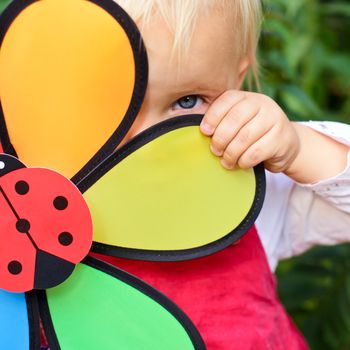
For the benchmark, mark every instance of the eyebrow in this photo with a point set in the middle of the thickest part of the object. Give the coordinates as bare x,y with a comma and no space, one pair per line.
196,89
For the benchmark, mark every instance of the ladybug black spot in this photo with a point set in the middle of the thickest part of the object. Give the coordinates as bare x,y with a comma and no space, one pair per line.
60,203
15,267
23,225
65,238
22,187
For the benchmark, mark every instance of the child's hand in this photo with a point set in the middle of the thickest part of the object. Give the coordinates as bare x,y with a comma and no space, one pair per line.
249,128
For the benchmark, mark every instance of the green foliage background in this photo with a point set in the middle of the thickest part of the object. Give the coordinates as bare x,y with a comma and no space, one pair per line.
305,57
305,66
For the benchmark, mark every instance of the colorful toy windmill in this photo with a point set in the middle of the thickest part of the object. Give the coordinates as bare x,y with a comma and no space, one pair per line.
73,74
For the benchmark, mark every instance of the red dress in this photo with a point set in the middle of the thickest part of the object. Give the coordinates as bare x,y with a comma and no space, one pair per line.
230,296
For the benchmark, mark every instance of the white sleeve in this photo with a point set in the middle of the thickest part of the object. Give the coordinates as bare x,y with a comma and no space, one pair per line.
296,216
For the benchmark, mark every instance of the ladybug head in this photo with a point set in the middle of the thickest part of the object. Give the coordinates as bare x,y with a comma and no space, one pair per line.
9,163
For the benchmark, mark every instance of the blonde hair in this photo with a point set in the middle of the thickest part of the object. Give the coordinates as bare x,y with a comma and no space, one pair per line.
182,15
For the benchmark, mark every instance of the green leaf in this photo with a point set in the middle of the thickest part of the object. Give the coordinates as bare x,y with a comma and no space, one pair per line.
336,7
299,103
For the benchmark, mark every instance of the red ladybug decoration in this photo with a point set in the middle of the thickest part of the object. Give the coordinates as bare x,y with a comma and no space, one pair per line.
45,227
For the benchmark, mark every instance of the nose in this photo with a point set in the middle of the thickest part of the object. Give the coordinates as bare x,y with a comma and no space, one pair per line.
50,270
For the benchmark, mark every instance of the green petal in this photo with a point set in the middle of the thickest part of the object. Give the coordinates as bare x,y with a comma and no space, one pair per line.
101,307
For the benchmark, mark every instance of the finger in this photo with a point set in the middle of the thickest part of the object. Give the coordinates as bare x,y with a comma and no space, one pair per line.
217,111
245,138
233,122
263,149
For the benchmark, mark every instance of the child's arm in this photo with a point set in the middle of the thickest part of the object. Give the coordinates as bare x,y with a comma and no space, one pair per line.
296,217
248,128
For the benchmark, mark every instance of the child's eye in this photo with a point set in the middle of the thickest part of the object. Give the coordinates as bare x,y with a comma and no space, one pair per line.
188,102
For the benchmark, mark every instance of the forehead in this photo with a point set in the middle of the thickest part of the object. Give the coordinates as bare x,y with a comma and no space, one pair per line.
209,61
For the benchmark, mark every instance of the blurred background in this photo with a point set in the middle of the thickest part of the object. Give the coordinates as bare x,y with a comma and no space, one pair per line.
305,66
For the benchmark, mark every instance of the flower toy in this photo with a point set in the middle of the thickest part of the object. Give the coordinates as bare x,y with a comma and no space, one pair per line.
73,74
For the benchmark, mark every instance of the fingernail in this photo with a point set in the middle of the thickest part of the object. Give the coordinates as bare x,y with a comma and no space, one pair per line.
215,151
207,129
226,165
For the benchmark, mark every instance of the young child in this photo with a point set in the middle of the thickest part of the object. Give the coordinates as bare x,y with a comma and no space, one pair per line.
199,53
